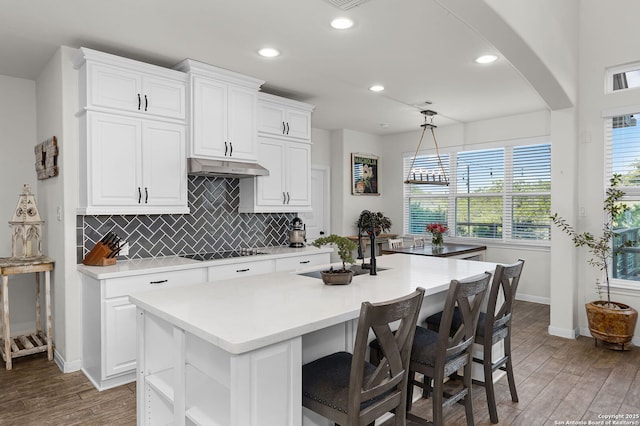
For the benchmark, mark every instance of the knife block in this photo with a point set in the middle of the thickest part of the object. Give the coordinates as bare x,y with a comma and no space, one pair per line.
98,256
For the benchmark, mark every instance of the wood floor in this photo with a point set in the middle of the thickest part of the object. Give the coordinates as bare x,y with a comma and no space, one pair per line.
559,381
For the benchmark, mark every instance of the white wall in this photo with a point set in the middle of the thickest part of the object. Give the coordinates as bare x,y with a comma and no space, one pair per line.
18,130
606,39
57,100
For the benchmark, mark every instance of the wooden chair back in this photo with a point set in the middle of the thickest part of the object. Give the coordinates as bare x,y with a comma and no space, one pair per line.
388,384
498,319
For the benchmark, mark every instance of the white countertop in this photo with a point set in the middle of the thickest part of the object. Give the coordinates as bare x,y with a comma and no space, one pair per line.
174,263
248,313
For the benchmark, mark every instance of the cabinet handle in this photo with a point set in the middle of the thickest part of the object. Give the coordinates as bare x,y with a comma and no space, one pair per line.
139,101
304,261
284,198
158,282
146,103
287,128
225,148
139,195
284,128
230,149
146,195
243,270
288,197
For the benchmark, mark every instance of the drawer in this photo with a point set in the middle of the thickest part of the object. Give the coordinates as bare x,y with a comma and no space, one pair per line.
301,262
241,269
126,285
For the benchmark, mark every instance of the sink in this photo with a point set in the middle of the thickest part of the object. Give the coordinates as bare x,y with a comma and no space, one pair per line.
357,270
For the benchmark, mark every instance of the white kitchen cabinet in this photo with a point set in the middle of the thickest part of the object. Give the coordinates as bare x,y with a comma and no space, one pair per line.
109,322
132,136
240,269
305,261
222,112
284,117
288,186
109,82
134,166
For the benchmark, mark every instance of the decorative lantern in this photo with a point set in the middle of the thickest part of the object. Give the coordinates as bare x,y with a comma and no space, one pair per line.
26,227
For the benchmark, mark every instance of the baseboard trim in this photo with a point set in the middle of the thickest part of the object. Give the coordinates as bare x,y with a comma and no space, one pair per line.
567,333
534,299
66,367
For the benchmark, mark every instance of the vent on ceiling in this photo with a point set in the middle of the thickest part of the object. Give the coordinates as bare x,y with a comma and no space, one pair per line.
346,4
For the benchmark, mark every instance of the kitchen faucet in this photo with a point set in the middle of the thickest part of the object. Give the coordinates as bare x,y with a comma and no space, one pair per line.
372,235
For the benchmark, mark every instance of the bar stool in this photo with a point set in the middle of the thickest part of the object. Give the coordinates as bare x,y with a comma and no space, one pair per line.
347,389
437,355
493,326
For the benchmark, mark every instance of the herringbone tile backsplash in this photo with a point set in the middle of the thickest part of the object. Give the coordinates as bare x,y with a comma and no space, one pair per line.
213,225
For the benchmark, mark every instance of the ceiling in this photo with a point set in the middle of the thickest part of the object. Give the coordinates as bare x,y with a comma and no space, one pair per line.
415,48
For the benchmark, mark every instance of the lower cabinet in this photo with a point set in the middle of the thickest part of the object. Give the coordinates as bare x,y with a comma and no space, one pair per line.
109,320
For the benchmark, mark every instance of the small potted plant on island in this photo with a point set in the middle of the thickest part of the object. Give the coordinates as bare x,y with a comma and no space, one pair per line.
381,223
611,322
345,251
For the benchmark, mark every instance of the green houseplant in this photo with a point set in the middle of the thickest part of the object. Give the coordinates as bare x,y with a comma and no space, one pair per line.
345,252
381,223
611,322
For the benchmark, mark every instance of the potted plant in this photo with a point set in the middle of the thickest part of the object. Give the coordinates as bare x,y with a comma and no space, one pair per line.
611,322
345,251
381,223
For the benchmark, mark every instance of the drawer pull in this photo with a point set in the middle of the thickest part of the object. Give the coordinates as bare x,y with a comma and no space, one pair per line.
304,261
243,270
158,282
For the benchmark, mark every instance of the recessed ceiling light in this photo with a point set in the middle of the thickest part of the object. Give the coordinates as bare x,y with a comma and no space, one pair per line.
342,23
376,88
486,59
268,52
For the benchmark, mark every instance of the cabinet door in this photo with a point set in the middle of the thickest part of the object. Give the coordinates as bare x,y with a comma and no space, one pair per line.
270,190
164,97
164,164
299,124
113,87
209,121
119,337
114,155
272,118
298,174
241,123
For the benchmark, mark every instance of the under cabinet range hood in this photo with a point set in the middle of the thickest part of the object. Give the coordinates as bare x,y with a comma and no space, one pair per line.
233,169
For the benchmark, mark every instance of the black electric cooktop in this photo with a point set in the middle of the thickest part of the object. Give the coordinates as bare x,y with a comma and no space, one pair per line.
222,254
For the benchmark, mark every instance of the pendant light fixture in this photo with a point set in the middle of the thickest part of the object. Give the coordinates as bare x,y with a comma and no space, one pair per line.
426,176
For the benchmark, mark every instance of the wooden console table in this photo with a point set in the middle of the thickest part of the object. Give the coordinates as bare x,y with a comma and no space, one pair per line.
17,346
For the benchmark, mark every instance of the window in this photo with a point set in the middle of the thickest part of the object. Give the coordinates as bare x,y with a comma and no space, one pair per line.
622,78
498,193
622,135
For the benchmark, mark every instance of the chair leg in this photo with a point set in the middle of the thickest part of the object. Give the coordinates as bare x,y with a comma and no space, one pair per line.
468,401
409,401
488,383
509,368
437,397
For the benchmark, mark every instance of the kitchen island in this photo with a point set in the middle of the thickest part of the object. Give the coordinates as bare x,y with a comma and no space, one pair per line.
231,352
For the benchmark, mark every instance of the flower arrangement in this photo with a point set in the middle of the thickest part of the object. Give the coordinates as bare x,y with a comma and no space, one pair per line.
436,230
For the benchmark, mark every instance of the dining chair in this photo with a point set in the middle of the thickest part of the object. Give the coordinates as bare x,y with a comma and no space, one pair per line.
418,241
438,355
395,243
494,326
348,390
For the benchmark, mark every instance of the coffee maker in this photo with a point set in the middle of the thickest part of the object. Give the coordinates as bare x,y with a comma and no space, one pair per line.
297,233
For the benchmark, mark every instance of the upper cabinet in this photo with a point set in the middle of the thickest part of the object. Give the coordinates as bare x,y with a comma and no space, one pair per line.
222,112
132,136
114,83
284,117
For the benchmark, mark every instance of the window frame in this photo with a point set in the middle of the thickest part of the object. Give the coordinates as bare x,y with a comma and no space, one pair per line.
507,193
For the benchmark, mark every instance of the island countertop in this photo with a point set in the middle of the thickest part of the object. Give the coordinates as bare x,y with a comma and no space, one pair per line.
244,314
